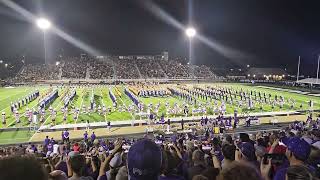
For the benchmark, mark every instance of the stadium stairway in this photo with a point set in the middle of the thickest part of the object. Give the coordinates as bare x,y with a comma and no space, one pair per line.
88,71
140,75
160,68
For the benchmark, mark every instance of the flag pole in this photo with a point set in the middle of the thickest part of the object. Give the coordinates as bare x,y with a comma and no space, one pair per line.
298,69
318,68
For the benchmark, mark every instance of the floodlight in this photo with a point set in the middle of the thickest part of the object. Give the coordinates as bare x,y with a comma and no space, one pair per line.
191,32
43,23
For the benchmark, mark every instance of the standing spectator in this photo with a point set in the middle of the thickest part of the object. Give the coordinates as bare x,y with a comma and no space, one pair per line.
228,152
93,137
298,151
66,136
144,160
198,164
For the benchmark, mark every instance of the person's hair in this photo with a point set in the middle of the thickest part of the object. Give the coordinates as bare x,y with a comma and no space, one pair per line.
299,173
197,156
169,163
228,151
239,171
16,168
210,173
199,177
229,139
314,155
78,164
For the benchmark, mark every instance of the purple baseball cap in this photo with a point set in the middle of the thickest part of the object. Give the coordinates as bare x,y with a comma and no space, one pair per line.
144,160
299,147
248,150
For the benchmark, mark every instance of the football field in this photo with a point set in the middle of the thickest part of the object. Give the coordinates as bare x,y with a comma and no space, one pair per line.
127,110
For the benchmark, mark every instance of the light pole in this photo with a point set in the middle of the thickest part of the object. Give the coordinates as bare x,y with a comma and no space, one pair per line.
190,32
44,24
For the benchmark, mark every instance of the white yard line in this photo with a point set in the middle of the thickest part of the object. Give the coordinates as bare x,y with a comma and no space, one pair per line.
80,108
101,99
15,94
59,104
125,106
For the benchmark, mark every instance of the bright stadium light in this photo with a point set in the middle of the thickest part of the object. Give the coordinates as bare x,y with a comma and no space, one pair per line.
6,65
43,23
1,61
191,32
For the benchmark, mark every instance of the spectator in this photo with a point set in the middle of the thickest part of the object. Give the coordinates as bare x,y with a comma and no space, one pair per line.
144,160
16,168
228,152
239,171
298,151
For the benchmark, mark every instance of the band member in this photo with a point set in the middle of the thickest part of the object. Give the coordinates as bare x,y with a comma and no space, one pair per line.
3,118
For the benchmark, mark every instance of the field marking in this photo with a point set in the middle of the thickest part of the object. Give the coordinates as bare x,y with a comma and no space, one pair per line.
26,89
125,105
14,120
101,99
47,119
80,108
14,100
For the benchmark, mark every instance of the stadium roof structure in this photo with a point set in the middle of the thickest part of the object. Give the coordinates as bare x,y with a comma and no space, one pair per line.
261,72
309,81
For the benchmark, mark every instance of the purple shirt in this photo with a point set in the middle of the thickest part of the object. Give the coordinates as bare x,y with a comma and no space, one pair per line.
93,137
46,141
66,134
50,147
85,136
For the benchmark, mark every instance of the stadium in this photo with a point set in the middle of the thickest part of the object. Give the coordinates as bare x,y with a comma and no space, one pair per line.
132,114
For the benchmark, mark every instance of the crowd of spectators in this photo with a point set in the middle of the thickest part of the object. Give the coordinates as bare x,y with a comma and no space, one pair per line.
126,69
150,68
291,154
101,70
202,71
75,68
33,72
80,68
174,69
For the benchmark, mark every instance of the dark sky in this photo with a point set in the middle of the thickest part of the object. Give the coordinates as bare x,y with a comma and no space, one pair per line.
274,32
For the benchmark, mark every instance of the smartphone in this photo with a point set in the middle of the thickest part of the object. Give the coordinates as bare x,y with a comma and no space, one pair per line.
275,158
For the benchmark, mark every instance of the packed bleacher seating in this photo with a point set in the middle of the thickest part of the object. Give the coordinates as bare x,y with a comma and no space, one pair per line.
126,69
292,153
101,70
174,69
33,72
107,68
9,68
75,68
203,72
150,68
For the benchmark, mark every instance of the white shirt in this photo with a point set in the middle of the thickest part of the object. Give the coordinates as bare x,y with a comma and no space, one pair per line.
55,149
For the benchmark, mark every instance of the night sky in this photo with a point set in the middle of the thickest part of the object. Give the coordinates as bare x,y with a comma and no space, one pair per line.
273,32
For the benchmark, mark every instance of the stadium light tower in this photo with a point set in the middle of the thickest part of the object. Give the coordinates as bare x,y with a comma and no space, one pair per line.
44,24
191,32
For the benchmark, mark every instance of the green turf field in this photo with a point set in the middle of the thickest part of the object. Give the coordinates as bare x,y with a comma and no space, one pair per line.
101,97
